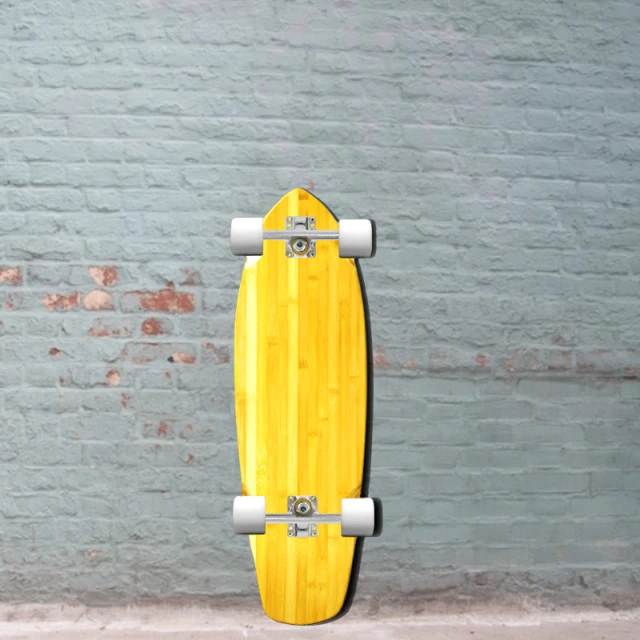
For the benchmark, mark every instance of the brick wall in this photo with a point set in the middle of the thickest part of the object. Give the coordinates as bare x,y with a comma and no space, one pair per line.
495,144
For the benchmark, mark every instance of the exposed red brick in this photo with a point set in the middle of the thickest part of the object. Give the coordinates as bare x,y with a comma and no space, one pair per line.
104,276
126,398
212,353
530,359
481,359
162,429
167,300
182,358
113,378
379,358
410,364
190,458
59,302
10,275
103,327
98,300
152,327
54,352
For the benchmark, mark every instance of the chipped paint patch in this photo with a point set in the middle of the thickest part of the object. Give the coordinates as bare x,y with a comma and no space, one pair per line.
481,359
161,429
152,327
98,300
182,358
104,276
59,302
166,300
10,275
380,358
113,378
103,327
10,303
524,359
219,355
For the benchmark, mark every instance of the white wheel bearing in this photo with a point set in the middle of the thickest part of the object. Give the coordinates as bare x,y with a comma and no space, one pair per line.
246,238
358,517
249,514
355,238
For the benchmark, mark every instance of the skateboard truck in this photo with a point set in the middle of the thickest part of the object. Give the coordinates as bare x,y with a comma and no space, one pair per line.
355,237
300,246
300,236
302,518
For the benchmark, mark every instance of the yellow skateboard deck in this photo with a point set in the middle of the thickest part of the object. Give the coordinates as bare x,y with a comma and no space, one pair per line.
301,405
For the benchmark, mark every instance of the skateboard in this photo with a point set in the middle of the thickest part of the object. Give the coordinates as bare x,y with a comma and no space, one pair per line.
300,370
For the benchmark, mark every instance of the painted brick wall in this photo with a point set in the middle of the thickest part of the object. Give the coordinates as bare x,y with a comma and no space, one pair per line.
495,144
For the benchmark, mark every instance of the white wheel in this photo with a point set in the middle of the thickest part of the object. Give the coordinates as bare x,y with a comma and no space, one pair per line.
355,238
249,514
246,236
358,517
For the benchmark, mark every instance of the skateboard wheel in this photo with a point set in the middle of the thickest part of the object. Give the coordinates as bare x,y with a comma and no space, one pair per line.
246,236
249,514
358,517
355,238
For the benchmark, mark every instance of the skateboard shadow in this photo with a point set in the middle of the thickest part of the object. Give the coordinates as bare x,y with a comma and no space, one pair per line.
366,472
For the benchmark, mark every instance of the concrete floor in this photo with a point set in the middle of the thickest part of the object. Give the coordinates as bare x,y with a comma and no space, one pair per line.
200,623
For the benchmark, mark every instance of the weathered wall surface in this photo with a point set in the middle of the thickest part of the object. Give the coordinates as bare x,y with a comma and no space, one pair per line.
495,144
